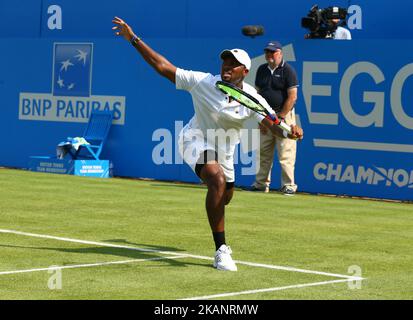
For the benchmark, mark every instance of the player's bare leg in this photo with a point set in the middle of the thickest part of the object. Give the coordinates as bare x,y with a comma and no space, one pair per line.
213,175
216,199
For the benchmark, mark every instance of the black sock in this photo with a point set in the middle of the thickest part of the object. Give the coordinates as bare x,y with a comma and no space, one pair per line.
219,239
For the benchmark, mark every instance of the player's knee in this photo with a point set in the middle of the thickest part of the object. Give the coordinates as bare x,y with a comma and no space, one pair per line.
213,176
217,181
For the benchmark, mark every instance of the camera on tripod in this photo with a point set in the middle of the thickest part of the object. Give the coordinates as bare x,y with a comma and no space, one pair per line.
319,21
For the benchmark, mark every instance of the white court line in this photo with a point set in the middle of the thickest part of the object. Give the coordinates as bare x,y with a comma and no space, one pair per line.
89,265
231,294
252,264
269,266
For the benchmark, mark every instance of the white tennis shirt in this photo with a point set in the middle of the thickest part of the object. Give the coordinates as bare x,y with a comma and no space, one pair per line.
342,34
213,110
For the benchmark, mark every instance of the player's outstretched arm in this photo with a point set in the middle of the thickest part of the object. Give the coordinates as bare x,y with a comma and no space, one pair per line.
297,133
157,61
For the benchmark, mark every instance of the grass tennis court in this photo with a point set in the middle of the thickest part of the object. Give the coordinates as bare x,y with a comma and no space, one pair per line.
132,239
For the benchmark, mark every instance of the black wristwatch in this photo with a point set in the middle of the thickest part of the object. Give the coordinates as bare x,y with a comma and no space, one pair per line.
135,40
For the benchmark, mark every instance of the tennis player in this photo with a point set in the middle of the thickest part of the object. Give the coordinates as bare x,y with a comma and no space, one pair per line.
211,161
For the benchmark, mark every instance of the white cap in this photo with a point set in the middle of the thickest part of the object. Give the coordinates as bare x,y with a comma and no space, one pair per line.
239,54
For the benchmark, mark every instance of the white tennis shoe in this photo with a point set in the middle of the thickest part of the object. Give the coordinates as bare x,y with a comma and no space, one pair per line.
223,259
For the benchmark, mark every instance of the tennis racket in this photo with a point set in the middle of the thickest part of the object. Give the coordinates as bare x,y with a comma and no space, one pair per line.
251,103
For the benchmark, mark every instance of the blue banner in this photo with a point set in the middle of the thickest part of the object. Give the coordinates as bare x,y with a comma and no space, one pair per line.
60,19
356,108
92,168
354,103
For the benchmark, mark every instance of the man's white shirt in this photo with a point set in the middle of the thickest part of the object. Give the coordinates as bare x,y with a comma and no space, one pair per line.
217,121
342,34
213,110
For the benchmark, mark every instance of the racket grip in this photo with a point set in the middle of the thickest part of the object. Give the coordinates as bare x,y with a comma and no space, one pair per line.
284,126
273,118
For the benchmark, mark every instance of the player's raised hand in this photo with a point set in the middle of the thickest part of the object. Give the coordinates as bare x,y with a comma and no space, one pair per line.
122,29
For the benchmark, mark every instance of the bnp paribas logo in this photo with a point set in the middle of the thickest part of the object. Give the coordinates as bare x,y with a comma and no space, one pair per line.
72,69
71,99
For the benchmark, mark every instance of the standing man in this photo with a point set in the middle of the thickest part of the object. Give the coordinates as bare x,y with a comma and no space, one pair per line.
340,33
277,82
215,113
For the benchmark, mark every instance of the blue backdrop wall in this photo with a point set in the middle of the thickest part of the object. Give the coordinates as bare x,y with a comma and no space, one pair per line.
355,97
190,18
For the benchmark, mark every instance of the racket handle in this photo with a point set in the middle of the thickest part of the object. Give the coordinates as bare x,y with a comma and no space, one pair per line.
284,126
273,118
279,122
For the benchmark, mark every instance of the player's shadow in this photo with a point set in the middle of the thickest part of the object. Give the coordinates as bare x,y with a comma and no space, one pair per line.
189,186
140,245
139,253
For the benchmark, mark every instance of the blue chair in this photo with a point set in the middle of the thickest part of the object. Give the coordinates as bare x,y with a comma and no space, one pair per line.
96,134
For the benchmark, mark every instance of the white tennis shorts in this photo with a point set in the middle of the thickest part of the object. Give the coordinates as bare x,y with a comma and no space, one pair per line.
192,145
